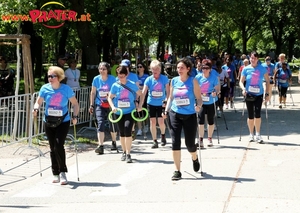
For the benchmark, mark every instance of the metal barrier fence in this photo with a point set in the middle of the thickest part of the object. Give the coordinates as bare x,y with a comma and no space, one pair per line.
18,125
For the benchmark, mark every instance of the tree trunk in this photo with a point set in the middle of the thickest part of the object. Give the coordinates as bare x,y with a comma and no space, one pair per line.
89,44
107,34
63,40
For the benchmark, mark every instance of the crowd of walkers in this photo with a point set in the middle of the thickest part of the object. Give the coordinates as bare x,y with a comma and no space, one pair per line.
196,95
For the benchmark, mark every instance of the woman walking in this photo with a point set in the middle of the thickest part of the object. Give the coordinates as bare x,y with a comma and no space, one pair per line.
181,109
57,119
123,96
254,74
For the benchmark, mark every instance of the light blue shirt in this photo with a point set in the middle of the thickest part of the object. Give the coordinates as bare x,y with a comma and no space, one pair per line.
156,89
124,98
207,86
56,100
102,87
254,79
183,96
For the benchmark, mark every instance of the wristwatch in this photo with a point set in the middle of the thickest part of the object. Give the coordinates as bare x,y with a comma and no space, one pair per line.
266,94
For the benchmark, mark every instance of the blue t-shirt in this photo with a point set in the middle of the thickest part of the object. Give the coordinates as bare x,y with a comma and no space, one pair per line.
156,90
230,70
56,100
194,72
183,96
124,98
102,87
270,70
254,79
207,86
142,79
283,77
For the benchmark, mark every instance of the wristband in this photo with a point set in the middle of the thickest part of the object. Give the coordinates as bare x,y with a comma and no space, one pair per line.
36,110
266,94
75,117
91,106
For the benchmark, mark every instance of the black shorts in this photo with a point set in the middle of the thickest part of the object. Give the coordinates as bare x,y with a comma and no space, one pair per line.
155,111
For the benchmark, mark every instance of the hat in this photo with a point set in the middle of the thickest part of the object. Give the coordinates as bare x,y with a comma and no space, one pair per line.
63,57
125,63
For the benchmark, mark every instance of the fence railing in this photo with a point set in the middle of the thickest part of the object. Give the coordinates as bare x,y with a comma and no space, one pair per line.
18,125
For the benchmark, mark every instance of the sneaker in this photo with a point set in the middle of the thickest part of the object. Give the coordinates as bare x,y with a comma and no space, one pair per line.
63,178
128,158
201,143
259,139
226,106
251,138
231,104
123,158
215,128
139,133
280,106
219,114
133,135
210,143
284,105
99,150
205,129
196,165
176,175
56,179
155,145
163,140
113,145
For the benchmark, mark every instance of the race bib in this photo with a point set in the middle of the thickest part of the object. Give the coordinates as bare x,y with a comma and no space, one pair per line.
55,111
157,94
123,103
282,81
182,101
103,94
254,89
205,98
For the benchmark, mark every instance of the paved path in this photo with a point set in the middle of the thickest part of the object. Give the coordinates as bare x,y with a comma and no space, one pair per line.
238,176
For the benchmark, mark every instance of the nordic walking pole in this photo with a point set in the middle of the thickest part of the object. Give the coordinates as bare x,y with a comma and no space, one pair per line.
200,158
241,119
76,151
114,131
267,119
223,114
290,90
216,119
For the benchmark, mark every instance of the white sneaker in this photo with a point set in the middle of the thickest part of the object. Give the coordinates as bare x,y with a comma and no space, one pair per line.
251,138
259,139
210,143
56,179
219,114
226,106
284,105
139,133
63,178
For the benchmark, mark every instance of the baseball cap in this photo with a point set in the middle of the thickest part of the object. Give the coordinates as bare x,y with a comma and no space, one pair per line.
125,63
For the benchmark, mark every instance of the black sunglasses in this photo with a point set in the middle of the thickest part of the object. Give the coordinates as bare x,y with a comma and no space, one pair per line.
139,66
52,76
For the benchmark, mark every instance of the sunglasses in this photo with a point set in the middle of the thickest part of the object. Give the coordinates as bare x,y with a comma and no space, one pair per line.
139,66
52,76
205,68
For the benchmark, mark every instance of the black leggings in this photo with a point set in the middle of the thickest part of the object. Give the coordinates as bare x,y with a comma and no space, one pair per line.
254,106
189,124
125,125
57,137
210,111
282,91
